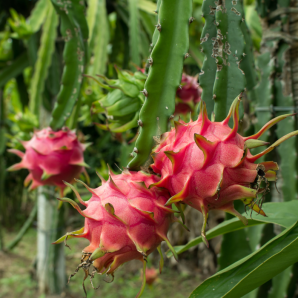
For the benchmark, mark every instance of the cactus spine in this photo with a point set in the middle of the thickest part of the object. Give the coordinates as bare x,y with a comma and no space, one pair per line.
165,72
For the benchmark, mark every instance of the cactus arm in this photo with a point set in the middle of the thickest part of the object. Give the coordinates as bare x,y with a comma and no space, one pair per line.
99,35
248,64
14,69
228,50
44,57
38,15
286,151
97,21
134,34
265,88
75,31
164,76
208,72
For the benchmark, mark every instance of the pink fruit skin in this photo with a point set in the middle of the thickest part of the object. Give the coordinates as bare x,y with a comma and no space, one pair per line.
125,220
207,165
190,90
58,155
151,276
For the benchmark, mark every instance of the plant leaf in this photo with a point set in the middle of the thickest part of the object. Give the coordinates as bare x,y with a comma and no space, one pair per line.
252,271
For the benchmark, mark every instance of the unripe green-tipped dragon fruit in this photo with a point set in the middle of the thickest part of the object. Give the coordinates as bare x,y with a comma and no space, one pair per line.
51,157
123,102
124,220
208,165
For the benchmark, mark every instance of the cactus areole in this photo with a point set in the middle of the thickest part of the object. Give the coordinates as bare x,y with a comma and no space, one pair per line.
124,220
51,157
208,165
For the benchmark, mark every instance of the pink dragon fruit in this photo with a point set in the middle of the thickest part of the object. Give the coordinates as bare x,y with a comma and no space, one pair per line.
208,165
190,90
51,156
151,276
124,220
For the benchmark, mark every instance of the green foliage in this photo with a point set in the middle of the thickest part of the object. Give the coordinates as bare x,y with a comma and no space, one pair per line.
14,69
255,269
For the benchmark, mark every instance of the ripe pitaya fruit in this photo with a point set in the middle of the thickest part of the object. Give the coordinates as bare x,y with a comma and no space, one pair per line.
51,156
151,276
207,165
190,90
124,220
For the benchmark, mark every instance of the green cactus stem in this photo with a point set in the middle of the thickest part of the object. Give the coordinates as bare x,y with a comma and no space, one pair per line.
165,72
44,59
75,31
208,72
228,51
288,152
248,63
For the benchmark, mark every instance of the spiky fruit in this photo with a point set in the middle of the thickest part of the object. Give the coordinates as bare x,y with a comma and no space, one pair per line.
190,90
50,157
151,276
208,165
124,220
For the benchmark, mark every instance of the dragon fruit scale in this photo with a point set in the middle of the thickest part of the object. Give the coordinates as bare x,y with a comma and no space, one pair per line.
208,165
50,157
124,220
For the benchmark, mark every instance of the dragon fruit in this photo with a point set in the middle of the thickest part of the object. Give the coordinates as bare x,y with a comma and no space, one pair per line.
151,276
124,220
190,90
208,165
51,156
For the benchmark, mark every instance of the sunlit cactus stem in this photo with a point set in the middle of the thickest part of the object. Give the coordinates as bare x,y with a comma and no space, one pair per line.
170,48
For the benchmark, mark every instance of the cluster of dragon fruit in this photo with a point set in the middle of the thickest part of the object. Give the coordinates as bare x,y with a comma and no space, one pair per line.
206,165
